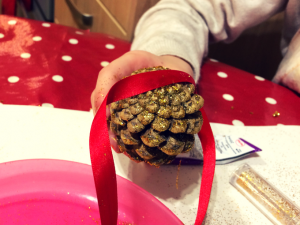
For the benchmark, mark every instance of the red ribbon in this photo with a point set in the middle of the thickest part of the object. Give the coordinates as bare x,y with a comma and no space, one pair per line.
101,154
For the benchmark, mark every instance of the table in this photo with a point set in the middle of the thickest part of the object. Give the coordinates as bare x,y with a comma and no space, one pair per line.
39,68
30,132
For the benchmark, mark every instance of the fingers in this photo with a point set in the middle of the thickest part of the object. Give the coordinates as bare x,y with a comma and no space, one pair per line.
119,69
128,63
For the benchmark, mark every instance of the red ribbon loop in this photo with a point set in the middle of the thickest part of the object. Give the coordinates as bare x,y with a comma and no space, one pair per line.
101,154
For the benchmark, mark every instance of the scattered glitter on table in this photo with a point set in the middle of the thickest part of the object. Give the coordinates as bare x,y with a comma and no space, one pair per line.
276,114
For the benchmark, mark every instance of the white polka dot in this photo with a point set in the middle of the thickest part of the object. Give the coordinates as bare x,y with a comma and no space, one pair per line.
37,38
25,55
66,58
47,105
222,74
213,60
237,123
13,79
57,78
12,22
1,103
271,101
46,24
279,124
228,97
73,41
79,32
1,35
259,78
104,63
109,46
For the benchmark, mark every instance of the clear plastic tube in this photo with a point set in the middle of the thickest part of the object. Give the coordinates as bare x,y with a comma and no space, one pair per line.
277,207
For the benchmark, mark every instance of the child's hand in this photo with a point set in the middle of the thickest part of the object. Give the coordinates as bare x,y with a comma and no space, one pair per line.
128,63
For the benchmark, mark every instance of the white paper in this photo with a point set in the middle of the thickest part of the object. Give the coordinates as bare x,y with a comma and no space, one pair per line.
228,149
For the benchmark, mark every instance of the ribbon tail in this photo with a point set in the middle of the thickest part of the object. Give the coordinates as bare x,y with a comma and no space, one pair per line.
209,161
104,169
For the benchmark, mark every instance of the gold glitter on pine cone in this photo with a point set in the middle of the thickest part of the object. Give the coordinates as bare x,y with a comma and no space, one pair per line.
157,125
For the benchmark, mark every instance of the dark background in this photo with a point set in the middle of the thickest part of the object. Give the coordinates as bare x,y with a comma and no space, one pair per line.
257,50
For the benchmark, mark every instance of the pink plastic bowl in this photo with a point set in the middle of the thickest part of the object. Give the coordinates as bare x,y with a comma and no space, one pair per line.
61,192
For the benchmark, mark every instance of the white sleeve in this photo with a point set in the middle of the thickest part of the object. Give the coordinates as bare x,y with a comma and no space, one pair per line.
184,28
288,72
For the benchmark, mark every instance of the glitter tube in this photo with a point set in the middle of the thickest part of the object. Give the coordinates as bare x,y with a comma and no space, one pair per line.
277,207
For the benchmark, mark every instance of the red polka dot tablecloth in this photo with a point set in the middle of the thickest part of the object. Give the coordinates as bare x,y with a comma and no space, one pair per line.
233,96
50,65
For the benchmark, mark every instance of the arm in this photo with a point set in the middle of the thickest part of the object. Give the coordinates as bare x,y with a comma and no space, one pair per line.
185,28
288,72
176,33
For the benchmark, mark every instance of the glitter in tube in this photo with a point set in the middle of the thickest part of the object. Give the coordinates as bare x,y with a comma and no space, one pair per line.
278,208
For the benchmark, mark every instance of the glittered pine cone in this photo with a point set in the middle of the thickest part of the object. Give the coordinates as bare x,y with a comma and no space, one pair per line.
157,125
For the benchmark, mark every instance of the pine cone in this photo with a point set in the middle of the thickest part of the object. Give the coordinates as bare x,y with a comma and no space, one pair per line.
157,125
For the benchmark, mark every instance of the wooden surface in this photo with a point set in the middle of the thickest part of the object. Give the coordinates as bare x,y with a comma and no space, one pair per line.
63,14
114,17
